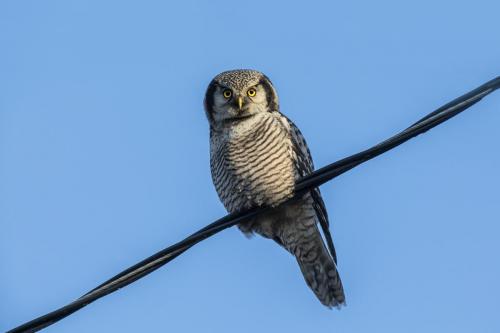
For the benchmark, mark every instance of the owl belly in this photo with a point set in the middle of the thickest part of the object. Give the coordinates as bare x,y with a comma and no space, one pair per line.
262,177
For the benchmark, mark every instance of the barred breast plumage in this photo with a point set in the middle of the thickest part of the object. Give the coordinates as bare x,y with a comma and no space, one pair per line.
252,163
257,155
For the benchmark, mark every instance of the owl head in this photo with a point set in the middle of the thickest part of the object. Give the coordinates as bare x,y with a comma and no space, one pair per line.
239,94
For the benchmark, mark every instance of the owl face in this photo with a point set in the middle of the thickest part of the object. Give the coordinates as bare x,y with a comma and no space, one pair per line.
237,95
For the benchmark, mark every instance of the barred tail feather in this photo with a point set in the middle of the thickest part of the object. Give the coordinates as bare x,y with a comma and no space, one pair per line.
320,273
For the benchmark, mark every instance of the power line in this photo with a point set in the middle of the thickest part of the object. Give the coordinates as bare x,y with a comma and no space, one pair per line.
305,184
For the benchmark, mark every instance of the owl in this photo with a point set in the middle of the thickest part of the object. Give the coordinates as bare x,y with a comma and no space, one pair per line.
256,156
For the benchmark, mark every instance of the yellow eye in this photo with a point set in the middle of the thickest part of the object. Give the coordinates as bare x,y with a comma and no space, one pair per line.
227,93
251,92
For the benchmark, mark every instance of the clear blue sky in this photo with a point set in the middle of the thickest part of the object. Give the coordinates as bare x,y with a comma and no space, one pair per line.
104,160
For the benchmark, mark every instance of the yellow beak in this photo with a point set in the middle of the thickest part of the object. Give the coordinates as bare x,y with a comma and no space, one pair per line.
240,102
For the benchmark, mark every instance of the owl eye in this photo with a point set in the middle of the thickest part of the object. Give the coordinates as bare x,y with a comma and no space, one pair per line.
251,92
227,93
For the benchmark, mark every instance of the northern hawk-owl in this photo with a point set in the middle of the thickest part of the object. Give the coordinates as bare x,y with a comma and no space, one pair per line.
256,156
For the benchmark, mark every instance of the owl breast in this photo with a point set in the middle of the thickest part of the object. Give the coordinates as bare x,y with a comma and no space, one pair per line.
251,162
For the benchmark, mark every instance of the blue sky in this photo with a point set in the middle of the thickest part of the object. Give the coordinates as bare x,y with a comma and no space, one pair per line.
104,160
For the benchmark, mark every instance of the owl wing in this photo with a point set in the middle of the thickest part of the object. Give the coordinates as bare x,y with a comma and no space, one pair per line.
304,166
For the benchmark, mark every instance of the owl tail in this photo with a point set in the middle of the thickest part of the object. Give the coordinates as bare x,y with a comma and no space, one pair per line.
319,270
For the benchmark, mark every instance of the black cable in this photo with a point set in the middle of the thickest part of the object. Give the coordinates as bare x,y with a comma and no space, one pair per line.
305,184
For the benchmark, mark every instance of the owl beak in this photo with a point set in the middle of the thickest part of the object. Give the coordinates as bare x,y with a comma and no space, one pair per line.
240,102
